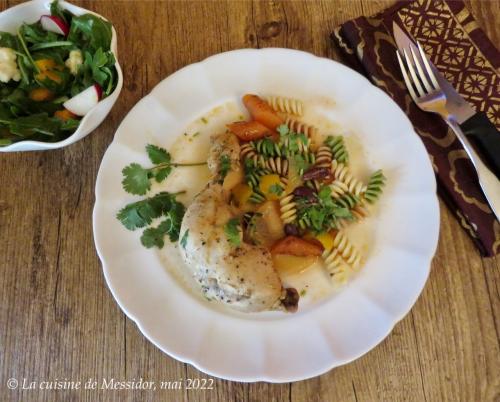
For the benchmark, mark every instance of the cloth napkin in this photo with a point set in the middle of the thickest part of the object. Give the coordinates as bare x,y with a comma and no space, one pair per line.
461,51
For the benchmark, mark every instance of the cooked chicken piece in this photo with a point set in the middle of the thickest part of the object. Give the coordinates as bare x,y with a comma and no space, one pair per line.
243,277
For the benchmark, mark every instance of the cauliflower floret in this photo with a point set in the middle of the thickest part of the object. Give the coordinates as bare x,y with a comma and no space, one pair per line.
8,65
74,61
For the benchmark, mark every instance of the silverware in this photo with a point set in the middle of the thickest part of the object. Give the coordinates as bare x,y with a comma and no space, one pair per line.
427,90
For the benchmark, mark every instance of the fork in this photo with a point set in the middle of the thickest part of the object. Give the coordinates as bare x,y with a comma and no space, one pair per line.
428,95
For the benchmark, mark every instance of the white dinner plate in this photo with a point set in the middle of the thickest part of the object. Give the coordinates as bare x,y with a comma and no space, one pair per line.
330,329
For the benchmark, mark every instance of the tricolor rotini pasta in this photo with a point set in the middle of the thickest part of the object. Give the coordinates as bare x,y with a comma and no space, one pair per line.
302,179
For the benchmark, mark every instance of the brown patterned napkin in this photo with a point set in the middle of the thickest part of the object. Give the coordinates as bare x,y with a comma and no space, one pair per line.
466,57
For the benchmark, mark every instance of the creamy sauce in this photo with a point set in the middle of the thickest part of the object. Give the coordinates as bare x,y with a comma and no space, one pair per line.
313,283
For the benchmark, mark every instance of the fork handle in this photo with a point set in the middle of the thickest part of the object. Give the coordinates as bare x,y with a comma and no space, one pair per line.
488,181
483,133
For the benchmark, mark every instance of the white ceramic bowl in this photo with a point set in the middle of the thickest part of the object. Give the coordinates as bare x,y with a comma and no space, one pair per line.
272,346
30,12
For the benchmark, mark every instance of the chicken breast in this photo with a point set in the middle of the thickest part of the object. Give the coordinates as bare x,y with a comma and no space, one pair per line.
242,277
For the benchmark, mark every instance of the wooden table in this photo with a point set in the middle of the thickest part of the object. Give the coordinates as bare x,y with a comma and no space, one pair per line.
58,320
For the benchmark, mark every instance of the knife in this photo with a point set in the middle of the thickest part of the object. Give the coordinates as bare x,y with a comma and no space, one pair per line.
476,125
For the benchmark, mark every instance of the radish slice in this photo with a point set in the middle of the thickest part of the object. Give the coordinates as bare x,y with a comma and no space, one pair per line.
82,103
55,24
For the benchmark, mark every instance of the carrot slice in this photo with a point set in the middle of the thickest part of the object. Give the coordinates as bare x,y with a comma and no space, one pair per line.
41,94
248,130
296,246
261,111
64,115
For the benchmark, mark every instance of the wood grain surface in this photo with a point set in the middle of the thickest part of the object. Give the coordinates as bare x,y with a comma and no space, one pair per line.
58,320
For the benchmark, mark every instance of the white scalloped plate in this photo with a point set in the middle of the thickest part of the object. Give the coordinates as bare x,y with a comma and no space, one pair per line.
325,333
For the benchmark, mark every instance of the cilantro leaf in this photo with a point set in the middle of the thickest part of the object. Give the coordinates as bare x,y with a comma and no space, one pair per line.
141,213
232,231
172,224
300,163
158,155
276,189
283,130
184,239
224,165
325,196
135,179
153,237
163,173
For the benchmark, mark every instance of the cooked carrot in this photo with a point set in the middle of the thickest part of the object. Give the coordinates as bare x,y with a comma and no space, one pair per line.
51,75
296,246
41,94
45,64
248,130
261,111
64,115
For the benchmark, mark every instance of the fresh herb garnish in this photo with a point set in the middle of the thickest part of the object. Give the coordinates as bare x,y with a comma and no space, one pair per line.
224,165
184,239
233,231
290,140
276,189
141,214
323,213
137,179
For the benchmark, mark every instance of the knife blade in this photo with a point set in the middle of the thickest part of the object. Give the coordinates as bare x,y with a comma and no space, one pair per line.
476,126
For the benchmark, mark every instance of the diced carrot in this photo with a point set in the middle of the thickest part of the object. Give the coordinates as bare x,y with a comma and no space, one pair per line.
45,64
296,246
51,75
248,130
41,94
261,111
64,115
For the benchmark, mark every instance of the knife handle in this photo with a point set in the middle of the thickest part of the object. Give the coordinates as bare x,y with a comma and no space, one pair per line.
486,138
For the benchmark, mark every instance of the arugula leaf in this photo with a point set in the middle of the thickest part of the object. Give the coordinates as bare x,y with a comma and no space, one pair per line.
8,40
135,179
35,33
158,155
184,239
224,165
57,11
232,231
91,32
141,213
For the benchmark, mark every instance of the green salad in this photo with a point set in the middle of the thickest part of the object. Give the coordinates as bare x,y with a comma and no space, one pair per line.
52,73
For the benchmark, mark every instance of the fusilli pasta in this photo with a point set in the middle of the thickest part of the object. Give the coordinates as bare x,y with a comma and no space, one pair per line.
341,172
324,156
374,186
348,252
300,127
288,209
338,148
286,105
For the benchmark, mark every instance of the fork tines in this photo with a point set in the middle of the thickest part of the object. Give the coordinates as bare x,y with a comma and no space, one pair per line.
422,81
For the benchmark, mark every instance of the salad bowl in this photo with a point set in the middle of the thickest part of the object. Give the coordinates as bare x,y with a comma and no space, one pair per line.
30,12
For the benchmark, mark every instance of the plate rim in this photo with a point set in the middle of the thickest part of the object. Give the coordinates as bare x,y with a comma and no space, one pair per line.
427,257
